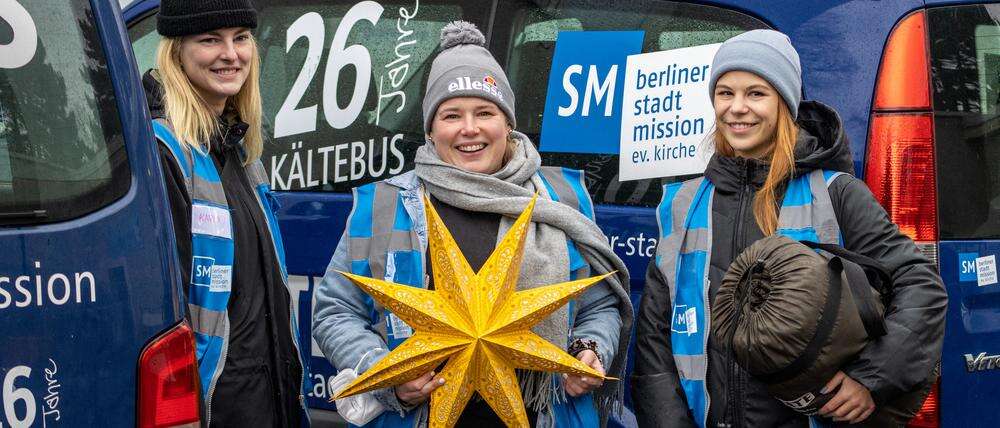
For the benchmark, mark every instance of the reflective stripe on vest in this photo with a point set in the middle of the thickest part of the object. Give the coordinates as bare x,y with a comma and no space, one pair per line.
566,185
684,252
212,249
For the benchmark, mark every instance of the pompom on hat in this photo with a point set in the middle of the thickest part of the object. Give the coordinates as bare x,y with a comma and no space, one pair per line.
465,68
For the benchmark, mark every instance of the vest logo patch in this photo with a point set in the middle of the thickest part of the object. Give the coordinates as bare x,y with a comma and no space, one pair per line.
685,320
201,271
205,273
222,278
400,329
210,220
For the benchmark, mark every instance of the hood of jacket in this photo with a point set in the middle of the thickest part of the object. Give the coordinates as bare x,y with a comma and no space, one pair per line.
821,144
154,94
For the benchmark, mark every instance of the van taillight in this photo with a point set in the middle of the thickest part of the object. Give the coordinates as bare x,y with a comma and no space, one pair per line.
900,171
900,167
930,413
168,381
904,75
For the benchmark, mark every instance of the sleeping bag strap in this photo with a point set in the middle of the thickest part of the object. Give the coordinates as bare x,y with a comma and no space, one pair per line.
824,328
861,281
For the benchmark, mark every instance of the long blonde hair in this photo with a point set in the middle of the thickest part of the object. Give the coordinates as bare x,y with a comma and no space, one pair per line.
782,158
193,121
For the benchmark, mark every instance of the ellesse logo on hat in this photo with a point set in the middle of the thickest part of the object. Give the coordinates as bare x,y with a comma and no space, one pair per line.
488,85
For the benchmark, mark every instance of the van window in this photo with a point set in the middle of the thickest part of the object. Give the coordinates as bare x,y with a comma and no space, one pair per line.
527,32
342,84
965,71
61,148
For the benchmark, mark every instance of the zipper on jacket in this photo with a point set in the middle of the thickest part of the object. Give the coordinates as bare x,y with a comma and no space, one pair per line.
739,243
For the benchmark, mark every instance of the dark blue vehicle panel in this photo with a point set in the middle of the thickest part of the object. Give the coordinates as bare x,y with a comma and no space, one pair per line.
73,356
973,327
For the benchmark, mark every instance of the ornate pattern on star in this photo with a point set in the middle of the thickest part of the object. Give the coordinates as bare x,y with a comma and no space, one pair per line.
478,322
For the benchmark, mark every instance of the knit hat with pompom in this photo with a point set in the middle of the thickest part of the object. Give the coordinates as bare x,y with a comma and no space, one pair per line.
465,68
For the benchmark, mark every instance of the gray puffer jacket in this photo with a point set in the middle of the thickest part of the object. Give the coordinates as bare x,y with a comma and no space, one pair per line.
901,361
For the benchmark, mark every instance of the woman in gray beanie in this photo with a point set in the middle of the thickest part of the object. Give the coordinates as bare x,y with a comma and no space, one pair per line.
781,166
204,97
479,174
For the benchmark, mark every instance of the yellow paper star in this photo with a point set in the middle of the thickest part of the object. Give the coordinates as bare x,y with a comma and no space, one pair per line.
477,321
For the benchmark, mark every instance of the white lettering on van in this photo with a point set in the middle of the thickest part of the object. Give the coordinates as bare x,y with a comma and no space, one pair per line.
20,396
47,289
399,68
19,50
291,120
596,89
350,161
640,246
52,385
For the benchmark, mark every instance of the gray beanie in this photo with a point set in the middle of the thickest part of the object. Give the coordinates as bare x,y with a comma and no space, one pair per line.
464,68
766,53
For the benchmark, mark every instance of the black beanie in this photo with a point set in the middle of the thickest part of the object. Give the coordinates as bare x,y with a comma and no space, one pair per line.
186,17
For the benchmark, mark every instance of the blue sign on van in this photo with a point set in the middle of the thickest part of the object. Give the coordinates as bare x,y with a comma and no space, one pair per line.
967,267
583,103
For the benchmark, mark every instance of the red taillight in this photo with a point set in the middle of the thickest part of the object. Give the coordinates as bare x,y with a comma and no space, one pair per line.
929,415
900,169
168,381
903,79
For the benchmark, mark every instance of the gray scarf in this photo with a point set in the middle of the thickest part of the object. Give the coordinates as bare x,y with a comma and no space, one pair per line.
546,261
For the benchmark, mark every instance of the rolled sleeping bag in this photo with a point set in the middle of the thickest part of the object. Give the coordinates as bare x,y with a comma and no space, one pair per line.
791,320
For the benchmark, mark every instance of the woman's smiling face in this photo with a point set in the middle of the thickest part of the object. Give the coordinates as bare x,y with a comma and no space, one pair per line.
217,62
746,112
470,133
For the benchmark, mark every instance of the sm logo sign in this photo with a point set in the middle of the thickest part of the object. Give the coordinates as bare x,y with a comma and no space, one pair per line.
967,267
596,89
583,102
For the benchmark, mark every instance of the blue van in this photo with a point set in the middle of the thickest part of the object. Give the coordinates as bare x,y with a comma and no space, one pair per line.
91,310
89,290
917,83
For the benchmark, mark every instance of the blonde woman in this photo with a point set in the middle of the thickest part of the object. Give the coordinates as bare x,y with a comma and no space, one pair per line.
205,101
776,156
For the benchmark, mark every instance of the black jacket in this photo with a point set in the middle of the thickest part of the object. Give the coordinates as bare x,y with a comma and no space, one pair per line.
898,362
261,380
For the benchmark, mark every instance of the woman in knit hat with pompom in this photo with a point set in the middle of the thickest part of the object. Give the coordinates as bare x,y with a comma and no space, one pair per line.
480,174
204,97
